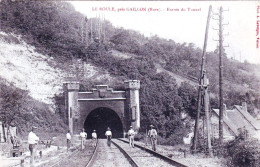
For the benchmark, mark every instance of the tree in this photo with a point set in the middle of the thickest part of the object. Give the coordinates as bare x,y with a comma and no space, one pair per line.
12,102
188,94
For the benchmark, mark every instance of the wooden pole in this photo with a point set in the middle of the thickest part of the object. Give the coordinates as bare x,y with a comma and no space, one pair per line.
206,108
220,78
200,83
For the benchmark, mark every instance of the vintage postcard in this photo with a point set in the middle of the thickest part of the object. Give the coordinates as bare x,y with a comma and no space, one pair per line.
129,83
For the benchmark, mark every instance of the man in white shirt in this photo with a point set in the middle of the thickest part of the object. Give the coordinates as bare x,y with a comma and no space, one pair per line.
94,137
83,136
32,141
131,135
152,133
109,136
68,136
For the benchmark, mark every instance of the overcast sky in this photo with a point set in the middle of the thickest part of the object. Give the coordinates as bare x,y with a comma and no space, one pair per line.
185,26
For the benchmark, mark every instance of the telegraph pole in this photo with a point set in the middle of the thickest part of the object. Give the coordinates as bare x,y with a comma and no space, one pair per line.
196,129
221,52
220,77
206,108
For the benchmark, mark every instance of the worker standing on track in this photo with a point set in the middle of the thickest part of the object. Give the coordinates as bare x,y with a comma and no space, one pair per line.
83,136
109,136
68,136
32,141
131,136
94,138
152,134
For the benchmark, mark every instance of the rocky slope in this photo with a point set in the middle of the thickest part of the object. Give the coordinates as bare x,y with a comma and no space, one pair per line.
41,75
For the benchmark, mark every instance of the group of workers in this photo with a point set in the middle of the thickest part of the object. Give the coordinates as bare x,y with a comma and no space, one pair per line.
33,139
83,136
152,134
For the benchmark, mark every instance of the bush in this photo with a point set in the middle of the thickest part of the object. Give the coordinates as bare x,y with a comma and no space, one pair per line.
243,151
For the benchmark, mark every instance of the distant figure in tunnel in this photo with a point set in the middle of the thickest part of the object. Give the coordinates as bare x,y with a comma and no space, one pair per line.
94,138
152,134
32,141
68,136
131,136
109,136
83,136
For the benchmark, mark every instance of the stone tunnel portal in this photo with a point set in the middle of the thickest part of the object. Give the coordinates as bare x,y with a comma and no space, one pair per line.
102,107
101,118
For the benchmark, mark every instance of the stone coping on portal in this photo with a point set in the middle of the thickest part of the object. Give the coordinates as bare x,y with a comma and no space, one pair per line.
101,99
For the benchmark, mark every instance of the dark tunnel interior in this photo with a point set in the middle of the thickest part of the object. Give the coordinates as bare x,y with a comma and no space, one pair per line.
101,118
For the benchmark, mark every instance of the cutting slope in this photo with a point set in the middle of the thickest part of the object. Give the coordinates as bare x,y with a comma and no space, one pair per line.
21,65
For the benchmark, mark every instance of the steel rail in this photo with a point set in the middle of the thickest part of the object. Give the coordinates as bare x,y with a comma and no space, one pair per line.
93,156
60,160
167,159
77,151
128,157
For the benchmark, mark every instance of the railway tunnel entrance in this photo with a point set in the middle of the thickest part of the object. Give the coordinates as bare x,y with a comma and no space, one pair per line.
102,107
101,118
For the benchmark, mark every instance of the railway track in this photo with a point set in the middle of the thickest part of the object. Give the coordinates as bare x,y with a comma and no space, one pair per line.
146,157
119,154
128,157
76,158
112,156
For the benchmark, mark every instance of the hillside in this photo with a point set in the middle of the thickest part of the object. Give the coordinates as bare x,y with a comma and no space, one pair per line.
49,50
37,73
36,80
179,79
27,69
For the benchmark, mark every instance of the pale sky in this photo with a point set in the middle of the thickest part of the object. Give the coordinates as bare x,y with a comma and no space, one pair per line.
186,26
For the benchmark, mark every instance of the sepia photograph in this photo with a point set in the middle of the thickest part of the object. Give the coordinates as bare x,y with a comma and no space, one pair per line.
129,83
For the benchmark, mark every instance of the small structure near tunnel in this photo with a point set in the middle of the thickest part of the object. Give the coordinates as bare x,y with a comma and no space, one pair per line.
103,107
234,119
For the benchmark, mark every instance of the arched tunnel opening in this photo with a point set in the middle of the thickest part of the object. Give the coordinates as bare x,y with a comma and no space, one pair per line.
102,118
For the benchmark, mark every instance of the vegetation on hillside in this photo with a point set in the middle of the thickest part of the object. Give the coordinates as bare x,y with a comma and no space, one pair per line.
55,29
244,151
19,109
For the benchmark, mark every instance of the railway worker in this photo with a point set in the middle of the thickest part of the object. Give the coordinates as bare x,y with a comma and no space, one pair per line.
109,136
131,136
68,136
94,137
32,141
83,136
152,134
